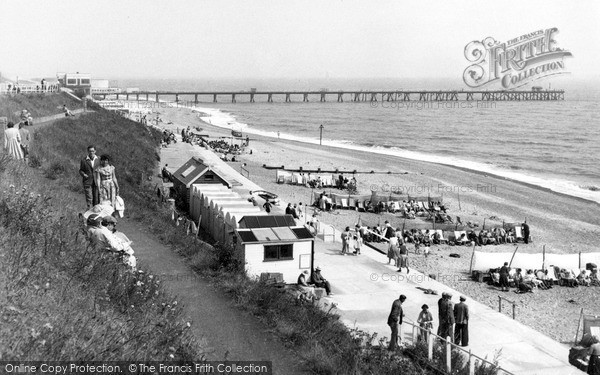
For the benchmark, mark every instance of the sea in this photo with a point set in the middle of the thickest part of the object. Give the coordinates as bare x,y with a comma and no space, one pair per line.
551,144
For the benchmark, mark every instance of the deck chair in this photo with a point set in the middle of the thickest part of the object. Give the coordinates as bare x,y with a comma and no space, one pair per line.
424,232
360,206
458,234
352,203
441,233
344,202
518,233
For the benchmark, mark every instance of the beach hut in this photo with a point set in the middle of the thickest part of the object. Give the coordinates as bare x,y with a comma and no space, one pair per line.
274,244
194,171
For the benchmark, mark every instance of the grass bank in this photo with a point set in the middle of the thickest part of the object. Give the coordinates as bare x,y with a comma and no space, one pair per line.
38,104
317,336
61,299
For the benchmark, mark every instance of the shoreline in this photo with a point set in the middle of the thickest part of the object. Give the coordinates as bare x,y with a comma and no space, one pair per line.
585,194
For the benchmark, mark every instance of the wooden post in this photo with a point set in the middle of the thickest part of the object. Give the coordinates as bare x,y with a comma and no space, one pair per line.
513,256
430,346
514,311
459,202
471,364
448,355
499,304
579,259
578,325
413,333
472,256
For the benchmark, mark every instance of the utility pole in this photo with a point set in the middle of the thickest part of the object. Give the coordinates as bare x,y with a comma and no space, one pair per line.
321,135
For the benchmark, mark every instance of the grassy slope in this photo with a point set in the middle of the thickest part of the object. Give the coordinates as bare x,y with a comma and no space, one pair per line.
37,104
317,336
59,298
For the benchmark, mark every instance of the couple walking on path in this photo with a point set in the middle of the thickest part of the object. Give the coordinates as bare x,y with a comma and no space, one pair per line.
99,179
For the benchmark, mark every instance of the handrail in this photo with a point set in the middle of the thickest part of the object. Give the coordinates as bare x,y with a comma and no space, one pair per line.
450,344
514,305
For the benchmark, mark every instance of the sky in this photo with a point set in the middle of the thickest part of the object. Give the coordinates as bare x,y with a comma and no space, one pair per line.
279,39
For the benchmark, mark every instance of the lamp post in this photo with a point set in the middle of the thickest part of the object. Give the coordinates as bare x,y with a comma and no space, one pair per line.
321,135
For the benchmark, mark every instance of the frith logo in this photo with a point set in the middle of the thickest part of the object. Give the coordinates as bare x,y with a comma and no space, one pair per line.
514,63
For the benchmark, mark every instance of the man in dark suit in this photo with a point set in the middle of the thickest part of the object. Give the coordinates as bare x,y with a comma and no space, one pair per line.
461,316
395,321
525,228
86,170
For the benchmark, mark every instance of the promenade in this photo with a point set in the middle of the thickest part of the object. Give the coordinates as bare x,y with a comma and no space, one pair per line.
365,286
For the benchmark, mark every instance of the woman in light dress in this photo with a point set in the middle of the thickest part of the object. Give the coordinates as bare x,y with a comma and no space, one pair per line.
12,142
106,180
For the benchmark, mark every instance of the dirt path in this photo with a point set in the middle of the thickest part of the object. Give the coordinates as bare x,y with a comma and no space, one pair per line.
228,332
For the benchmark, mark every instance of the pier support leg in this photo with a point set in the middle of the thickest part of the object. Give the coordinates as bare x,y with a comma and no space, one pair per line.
251,98
270,98
126,96
195,98
287,98
322,97
305,99
233,98
340,97
157,98
176,98
214,98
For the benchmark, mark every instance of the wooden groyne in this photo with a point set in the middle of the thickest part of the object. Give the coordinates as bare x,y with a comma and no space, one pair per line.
343,96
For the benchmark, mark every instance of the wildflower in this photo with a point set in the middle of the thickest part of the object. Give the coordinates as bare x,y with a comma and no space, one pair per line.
48,325
150,277
188,324
139,283
171,356
174,303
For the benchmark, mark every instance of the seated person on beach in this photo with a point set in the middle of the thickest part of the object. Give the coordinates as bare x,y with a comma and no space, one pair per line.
583,278
308,291
594,278
568,278
462,240
543,277
510,236
320,281
437,238
531,280
426,238
472,236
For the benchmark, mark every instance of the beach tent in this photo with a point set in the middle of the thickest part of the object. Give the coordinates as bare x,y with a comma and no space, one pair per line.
483,261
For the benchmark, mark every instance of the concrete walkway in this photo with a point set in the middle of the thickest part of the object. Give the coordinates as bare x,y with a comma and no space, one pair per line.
365,286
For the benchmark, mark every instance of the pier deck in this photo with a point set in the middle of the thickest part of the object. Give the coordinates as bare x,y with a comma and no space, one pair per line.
342,96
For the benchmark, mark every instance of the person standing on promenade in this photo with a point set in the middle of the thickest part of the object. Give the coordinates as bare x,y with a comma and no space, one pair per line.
525,227
461,316
12,142
345,240
395,321
86,170
403,257
504,271
446,316
106,180
425,321
267,206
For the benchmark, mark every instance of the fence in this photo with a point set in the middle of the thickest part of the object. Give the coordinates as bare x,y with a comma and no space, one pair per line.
514,306
472,362
27,89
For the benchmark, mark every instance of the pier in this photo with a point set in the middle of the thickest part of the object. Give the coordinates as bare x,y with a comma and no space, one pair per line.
342,96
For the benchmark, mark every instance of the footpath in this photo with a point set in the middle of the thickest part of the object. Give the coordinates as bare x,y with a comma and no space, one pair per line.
365,286
223,329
